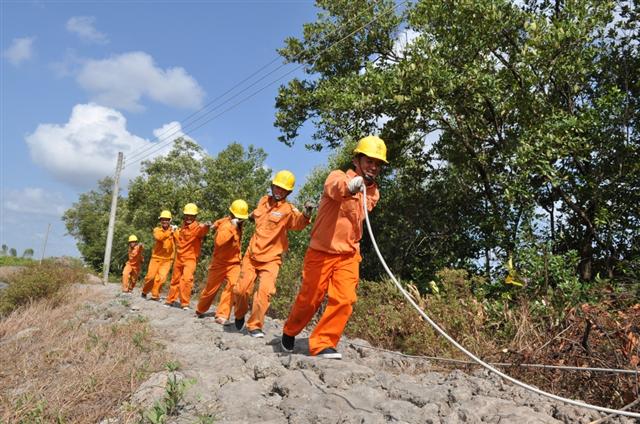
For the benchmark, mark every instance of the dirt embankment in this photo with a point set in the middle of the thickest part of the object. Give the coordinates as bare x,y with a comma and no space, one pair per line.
238,379
180,369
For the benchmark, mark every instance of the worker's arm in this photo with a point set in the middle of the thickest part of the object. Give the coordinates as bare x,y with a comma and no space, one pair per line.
297,220
335,186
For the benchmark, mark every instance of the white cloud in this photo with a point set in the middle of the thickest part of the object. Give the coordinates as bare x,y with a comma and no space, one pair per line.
404,40
85,149
83,27
21,50
121,81
34,200
169,131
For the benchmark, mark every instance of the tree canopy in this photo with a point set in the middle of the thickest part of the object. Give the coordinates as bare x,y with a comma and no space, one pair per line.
507,124
186,175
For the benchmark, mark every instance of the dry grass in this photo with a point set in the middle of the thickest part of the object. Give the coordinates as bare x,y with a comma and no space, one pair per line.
71,362
511,333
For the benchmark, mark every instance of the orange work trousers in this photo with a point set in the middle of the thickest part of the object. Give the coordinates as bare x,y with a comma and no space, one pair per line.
182,281
267,273
218,273
325,274
156,276
129,277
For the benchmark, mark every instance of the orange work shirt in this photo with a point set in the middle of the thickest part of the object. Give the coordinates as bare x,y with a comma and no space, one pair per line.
135,255
164,245
189,240
273,220
227,244
338,226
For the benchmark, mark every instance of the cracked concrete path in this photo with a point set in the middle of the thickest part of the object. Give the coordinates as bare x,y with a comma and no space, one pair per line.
240,379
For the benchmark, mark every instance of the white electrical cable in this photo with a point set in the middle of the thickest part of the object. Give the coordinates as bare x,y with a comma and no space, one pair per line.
465,351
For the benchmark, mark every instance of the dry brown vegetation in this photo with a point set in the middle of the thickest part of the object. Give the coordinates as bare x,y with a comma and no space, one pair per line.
72,361
604,336
38,281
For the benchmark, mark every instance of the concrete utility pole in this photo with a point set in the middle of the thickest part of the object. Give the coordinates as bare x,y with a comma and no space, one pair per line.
112,221
44,245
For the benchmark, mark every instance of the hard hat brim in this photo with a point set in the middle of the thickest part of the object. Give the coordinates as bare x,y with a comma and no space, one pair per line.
282,186
374,156
239,215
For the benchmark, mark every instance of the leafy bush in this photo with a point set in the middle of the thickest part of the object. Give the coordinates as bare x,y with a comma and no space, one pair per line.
384,317
289,279
15,261
45,280
550,287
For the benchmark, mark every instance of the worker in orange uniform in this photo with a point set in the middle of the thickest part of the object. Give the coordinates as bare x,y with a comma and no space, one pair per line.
225,263
132,267
331,263
188,239
274,217
161,257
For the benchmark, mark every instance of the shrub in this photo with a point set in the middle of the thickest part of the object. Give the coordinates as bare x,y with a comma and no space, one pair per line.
384,317
45,280
15,261
289,280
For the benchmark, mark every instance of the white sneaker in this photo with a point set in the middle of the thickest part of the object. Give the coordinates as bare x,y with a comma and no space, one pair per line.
257,333
330,353
185,308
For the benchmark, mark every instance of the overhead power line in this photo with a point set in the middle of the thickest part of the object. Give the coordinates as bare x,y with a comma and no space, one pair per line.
185,122
176,128
162,145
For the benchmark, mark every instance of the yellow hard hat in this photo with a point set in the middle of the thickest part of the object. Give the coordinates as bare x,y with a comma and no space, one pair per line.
133,237
190,209
373,147
239,209
165,214
284,179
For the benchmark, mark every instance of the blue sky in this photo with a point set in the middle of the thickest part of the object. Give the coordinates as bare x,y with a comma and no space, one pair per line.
82,80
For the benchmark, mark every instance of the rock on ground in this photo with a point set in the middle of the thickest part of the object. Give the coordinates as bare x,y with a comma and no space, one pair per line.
238,379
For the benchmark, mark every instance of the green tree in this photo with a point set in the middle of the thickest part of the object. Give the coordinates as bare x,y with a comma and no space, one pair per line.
494,112
5,250
28,253
167,182
235,173
187,174
87,221
13,252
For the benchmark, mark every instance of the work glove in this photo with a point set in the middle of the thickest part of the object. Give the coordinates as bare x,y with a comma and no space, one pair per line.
356,184
309,206
174,227
235,222
207,223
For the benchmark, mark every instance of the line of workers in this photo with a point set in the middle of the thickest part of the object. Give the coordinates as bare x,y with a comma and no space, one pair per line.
331,262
